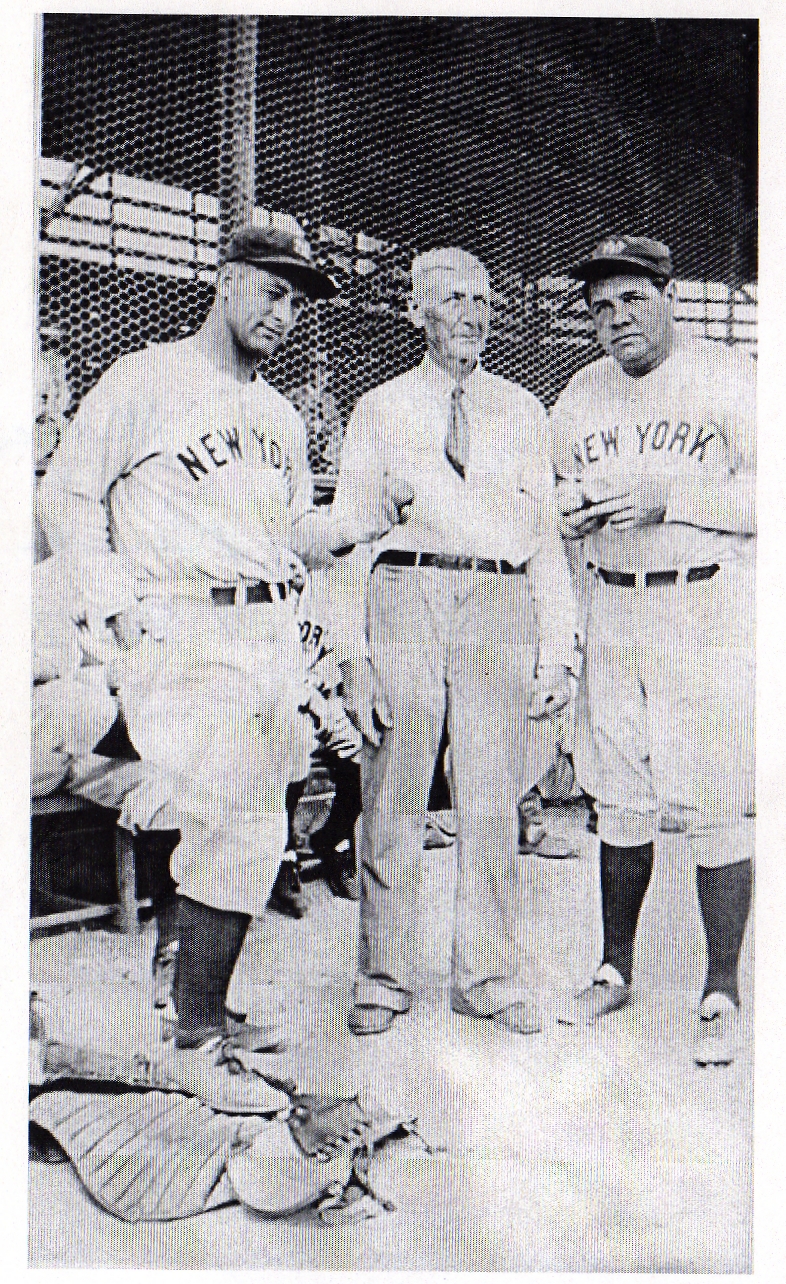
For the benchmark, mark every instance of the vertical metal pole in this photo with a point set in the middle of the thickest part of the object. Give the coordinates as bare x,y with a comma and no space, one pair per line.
237,91
38,90
735,248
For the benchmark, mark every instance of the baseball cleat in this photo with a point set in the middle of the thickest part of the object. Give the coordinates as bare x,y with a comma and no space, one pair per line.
223,1077
520,1018
608,992
254,1038
367,1019
718,1031
164,972
440,830
238,1034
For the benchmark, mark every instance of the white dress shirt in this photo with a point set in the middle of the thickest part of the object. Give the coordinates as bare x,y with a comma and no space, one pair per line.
502,509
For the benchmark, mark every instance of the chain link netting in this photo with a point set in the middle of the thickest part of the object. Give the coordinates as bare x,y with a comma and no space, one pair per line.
523,140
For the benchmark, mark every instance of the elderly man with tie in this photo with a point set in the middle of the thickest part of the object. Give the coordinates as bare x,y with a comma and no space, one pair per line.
469,611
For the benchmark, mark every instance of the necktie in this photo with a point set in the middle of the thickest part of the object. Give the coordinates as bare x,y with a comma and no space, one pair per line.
457,440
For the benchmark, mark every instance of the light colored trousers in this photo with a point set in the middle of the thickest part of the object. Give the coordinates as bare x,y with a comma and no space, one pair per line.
465,642
671,685
211,699
70,716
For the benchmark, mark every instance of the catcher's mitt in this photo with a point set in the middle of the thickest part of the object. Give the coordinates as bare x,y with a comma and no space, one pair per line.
324,1169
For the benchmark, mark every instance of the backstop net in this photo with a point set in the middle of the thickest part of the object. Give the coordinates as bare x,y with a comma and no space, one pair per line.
523,140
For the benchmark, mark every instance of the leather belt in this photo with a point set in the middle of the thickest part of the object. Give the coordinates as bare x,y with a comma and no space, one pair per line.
447,562
255,594
626,579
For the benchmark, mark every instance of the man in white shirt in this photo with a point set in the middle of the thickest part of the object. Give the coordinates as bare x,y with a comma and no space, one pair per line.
181,500
656,443
469,611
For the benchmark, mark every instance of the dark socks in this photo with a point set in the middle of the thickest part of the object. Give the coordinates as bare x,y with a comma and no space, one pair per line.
210,944
152,851
724,900
625,874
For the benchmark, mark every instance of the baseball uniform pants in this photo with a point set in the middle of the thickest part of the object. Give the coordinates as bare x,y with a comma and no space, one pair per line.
211,699
69,717
464,641
671,689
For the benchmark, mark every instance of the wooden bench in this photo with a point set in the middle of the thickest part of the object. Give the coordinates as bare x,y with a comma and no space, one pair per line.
87,818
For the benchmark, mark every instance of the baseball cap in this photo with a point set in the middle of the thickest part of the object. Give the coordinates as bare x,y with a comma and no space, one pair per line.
285,252
620,254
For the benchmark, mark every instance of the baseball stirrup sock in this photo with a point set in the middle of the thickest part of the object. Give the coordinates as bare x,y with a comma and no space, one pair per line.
725,901
625,874
153,849
210,944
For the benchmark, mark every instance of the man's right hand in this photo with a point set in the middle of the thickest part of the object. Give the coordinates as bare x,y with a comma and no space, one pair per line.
364,700
391,506
127,627
578,522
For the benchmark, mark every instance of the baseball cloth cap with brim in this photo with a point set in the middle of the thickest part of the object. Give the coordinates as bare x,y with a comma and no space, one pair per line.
618,255
284,253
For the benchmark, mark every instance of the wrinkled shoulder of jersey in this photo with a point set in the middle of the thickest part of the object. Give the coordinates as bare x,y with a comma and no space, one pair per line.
709,368
594,380
716,358
162,372
265,403
515,397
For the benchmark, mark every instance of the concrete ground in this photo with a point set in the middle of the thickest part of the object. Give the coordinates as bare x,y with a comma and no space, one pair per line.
602,1150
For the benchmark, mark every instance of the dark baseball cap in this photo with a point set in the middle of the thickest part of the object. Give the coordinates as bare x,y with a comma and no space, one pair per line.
622,255
284,252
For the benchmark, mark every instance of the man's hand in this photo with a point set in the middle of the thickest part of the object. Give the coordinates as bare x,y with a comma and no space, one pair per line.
127,627
643,504
551,693
364,700
575,523
391,507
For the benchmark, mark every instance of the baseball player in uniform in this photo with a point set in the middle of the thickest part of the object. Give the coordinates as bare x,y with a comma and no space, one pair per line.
469,612
656,445
198,468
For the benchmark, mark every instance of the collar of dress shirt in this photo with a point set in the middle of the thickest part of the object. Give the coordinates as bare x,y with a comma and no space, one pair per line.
441,379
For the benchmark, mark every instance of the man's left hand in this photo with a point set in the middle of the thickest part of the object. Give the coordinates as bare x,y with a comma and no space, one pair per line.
643,504
551,693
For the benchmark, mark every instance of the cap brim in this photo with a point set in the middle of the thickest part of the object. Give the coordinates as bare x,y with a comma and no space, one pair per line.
314,283
596,269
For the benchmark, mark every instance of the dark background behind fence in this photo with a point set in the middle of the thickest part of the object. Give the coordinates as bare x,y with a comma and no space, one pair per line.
524,140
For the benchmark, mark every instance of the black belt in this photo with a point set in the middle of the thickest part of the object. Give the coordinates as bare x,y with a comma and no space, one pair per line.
448,562
255,594
626,579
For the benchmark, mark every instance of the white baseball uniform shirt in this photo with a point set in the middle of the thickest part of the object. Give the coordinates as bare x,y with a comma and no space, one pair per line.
691,420
206,478
197,480
503,508
670,664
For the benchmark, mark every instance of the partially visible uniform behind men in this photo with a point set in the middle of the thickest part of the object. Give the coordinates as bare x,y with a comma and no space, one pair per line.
656,441
469,611
198,469
52,401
